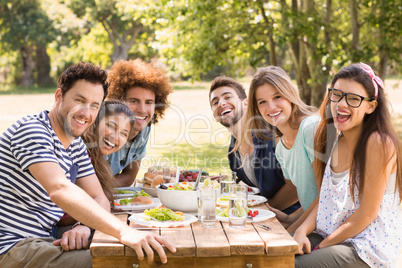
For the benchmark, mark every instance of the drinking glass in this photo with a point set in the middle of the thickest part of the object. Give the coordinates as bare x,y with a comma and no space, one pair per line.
225,181
206,198
237,205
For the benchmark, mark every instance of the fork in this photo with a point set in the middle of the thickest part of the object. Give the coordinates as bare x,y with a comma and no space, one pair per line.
262,225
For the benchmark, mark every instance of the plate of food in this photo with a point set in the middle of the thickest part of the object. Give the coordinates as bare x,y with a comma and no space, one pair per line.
252,200
253,190
162,217
138,202
123,192
259,215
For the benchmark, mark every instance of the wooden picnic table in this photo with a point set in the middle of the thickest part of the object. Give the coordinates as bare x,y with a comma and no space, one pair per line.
196,246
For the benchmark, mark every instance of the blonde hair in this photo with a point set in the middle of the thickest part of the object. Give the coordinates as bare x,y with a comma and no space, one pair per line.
276,77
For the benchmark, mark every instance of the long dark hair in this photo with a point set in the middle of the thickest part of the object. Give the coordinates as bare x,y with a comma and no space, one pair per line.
91,139
378,121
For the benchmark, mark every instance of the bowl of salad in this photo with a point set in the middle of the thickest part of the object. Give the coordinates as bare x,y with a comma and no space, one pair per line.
178,196
181,196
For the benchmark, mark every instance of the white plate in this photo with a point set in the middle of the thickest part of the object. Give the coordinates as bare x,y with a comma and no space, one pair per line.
139,218
156,203
254,190
252,200
263,214
120,196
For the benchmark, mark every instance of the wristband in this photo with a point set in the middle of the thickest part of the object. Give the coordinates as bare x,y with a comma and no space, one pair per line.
76,224
79,223
316,247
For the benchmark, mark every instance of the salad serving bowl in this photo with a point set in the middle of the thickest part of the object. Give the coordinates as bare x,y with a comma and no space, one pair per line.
182,200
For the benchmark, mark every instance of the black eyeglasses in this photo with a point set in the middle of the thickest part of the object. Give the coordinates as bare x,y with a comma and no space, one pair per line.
353,100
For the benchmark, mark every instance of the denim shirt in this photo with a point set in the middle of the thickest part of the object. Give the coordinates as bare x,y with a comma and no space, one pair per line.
131,151
267,169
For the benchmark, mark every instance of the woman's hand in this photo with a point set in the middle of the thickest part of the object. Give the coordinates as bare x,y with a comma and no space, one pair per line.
303,241
281,216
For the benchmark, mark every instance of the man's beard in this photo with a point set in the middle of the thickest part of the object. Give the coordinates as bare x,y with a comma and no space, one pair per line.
232,121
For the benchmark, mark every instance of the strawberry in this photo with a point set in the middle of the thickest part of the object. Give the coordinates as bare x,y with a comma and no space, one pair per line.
194,175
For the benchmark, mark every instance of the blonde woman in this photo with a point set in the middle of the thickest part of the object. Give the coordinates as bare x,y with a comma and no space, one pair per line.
275,104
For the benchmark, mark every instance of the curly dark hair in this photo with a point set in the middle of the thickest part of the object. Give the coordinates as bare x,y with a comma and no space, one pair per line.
82,71
136,73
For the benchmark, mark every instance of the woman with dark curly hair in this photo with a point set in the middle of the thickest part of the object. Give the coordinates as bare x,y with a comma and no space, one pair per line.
145,89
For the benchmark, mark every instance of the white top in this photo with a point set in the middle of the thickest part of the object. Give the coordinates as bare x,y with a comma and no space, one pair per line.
248,168
380,244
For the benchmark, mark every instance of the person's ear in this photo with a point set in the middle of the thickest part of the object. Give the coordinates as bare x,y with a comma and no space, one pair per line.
372,106
58,95
245,101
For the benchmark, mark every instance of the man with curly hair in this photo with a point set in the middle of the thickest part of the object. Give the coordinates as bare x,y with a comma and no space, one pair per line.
145,89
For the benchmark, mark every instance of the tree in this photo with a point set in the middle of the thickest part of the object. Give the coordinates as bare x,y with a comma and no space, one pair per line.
125,22
205,34
25,26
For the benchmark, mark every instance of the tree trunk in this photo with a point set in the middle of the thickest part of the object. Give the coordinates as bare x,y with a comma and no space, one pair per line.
355,27
120,52
28,65
43,67
382,46
318,76
270,33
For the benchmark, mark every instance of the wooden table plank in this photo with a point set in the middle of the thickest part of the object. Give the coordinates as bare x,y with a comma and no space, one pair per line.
236,261
244,241
182,238
106,245
206,247
278,241
131,252
210,242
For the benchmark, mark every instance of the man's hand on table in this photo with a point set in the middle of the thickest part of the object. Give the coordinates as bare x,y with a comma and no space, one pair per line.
76,238
145,241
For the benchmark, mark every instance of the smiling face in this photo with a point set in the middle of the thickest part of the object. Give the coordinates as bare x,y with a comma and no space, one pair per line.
273,107
113,132
226,106
141,102
77,109
346,117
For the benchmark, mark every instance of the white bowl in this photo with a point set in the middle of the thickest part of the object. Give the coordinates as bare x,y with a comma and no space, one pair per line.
185,201
150,191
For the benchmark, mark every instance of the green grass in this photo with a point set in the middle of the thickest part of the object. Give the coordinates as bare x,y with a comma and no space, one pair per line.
210,158
188,87
19,90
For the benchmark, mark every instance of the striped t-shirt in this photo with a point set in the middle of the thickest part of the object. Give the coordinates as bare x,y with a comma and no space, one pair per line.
25,207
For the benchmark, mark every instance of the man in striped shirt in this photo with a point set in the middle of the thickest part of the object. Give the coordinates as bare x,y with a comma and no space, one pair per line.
45,171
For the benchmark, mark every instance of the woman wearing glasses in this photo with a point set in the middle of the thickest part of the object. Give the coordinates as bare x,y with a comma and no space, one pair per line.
274,103
357,222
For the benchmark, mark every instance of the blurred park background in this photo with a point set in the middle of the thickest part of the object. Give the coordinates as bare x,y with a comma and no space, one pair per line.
195,41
